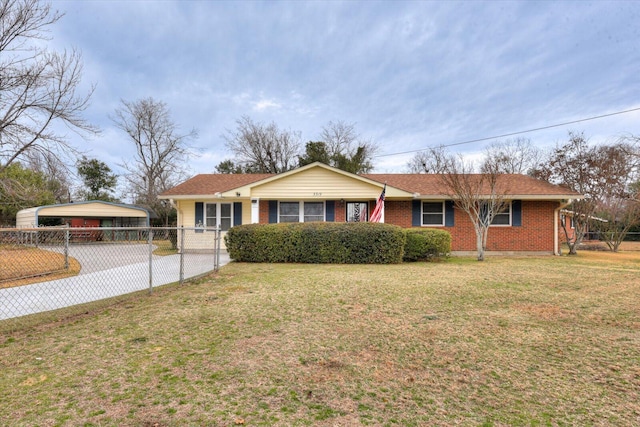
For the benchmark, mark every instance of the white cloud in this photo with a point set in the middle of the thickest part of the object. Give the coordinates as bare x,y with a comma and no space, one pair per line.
410,74
265,104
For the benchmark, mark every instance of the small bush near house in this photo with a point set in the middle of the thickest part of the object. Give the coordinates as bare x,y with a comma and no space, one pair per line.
319,242
422,245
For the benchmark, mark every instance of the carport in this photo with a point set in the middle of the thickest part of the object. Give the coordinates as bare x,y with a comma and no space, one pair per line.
93,213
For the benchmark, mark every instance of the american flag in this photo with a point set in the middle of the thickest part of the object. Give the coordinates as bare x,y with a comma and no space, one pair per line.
378,212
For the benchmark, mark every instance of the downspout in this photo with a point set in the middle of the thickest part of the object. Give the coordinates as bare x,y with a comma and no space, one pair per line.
556,220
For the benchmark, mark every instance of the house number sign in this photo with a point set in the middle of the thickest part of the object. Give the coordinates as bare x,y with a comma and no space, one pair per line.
317,194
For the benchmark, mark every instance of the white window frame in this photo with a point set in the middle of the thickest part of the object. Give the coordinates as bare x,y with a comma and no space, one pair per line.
422,212
301,214
218,214
508,212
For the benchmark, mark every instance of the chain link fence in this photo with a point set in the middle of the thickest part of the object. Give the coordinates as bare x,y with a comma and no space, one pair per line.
48,272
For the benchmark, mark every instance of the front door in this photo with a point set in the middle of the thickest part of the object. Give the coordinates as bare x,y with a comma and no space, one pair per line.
357,212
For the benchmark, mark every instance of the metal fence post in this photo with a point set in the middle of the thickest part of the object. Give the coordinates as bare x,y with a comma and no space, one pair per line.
66,248
150,260
217,249
181,254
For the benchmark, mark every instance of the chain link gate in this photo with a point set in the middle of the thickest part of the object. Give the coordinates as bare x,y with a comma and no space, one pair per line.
47,269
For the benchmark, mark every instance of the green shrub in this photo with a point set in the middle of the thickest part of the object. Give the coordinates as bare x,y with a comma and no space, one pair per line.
425,244
317,242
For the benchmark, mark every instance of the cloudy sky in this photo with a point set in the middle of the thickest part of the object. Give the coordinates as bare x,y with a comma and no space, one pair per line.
410,75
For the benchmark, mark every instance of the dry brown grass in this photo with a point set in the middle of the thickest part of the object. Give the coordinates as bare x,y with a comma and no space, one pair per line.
630,246
511,341
23,266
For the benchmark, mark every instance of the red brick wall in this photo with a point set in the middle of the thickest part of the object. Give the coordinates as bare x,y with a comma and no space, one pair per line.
535,234
398,213
341,211
263,216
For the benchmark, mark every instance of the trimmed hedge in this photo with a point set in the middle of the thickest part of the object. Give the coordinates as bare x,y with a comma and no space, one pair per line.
424,244
317,242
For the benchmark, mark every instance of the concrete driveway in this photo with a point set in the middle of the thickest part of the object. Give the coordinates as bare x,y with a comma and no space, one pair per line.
106,272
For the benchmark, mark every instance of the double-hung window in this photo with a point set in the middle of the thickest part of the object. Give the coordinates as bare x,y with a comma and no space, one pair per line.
289,212
504,217
433,213
219,215
313,211
300,211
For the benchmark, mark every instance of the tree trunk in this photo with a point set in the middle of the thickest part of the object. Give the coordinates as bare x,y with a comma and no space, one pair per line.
479,245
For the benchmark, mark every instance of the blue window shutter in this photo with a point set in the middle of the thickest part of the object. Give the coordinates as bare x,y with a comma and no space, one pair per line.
273,211
449,214
330,210
415,213
237,213
516,213
199,216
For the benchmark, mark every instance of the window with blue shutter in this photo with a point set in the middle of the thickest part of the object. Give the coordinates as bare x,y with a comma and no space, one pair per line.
415,213
199,222
516,213
449,213
330,211
273,211
237,213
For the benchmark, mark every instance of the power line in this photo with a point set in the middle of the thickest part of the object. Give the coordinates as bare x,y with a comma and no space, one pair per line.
515,133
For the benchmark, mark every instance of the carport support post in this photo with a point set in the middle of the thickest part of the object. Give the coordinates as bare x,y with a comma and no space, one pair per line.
150,260
181,254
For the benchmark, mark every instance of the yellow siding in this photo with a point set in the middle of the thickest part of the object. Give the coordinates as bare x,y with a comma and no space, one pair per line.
204,241
91,210
187,218
316,183
246,211
187,213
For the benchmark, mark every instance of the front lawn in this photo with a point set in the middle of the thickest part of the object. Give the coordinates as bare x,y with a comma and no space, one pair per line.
510,341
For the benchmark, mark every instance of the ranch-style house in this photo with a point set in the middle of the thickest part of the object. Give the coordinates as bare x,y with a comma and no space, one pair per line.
317,192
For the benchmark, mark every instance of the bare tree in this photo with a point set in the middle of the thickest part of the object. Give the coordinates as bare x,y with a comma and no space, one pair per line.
433,160
517,155
630,144
618,203
621,215
161,152
600,173
480,196
57,173
346,149
573,165
260,148
38,88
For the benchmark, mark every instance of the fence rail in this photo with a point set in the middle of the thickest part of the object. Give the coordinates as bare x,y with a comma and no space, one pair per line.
46,269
